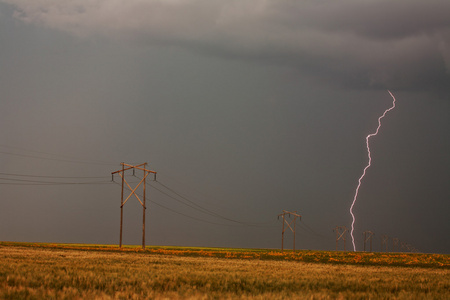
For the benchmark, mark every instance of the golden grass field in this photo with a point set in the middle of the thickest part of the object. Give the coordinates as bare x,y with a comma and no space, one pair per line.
70,271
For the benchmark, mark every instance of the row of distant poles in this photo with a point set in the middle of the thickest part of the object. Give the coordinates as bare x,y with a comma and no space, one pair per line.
396,244
289,220
288,217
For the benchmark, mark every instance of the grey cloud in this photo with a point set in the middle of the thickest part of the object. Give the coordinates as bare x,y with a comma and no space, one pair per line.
381,19
399,45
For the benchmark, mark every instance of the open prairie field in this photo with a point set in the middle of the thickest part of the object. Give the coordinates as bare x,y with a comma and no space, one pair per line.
69,271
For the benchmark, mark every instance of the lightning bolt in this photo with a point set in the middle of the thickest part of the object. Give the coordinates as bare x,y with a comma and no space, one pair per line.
368,165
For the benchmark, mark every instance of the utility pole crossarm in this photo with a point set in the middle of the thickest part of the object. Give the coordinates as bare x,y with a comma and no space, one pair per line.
290,213
133,167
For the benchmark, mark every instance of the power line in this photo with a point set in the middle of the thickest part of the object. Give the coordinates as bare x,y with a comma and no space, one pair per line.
183,197
302,223
198,192
39,182
60,157
210,214
57,159
62,177
203,209
194,206
180,213
55,183
184,203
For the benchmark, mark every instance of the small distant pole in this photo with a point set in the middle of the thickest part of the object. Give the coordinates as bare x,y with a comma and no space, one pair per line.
288,225
384,241
368,237
395,244
409,247
402,246
126,167
340,234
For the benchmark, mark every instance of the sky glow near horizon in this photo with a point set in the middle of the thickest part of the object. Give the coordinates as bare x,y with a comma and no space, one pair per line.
247,108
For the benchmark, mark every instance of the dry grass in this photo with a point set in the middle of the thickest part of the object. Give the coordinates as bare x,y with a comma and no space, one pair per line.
52,273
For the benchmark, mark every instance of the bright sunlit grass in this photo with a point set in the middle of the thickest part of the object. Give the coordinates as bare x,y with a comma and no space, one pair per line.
77,271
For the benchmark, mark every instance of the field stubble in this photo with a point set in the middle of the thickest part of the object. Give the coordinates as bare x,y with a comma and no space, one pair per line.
49,273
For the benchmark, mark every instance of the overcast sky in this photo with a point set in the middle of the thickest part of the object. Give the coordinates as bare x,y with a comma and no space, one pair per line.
244,108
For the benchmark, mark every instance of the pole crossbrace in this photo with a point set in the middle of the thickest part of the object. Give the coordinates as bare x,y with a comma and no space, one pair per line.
340,234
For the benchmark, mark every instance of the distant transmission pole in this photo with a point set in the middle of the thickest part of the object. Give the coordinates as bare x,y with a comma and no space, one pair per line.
384,241
402,246
340,234
395,244
288,225
368,237
409,247
126,167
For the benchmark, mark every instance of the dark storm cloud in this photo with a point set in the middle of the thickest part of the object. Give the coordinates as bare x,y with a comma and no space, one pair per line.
380,19
367,44
400,45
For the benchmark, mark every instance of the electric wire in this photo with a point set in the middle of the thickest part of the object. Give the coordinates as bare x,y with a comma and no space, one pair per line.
200,208
192,204
39,182
180,213
200,193
55,159
312,230
179,201
62,177
203,209
17,181
196,206
58,155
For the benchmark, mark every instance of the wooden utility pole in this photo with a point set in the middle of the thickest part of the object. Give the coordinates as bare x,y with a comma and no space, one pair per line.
402,246
395,244
126,167
409,247
340,234
121,205
292,228
384,241
368,237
